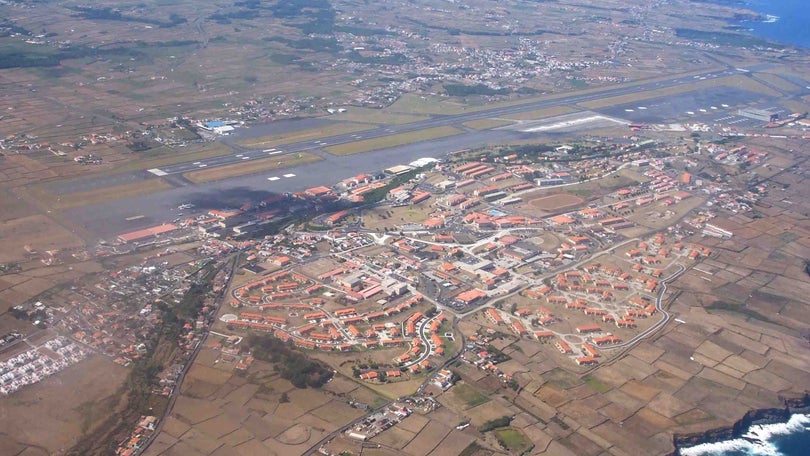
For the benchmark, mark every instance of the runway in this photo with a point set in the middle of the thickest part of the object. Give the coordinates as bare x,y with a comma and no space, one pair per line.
109,219
112,218
242,154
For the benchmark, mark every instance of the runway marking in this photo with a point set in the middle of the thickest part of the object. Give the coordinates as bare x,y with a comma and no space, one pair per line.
203,165
274,178
570,123
158,172
289,175
245,158
269,150
134,217
275,152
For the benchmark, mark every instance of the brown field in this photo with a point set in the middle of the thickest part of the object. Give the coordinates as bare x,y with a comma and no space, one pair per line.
304,135
39,232
251,167
398,139
395,437
51,415
382,217
13,207
427,439
219,411
454,443
556,202
97,196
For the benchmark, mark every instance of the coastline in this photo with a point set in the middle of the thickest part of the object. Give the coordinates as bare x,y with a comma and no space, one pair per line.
792,406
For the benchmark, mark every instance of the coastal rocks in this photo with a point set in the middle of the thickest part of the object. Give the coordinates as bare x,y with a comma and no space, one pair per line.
739,428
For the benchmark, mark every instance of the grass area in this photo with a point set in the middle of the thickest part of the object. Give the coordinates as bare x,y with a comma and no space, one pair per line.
99,195
512,439
596,384
290,137
398,139
378,116
777,82
562,378
251,167
795,106
416,104
471,396
487,124
471,449
542,113
737,81
720,306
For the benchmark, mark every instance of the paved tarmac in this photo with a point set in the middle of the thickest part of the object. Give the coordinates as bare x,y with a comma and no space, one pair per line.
112,218
109,219
244,154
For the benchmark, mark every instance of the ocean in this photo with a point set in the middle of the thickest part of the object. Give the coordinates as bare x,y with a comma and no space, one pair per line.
788,21
780,439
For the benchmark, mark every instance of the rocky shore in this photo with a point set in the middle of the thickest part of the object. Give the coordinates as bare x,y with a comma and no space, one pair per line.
740,427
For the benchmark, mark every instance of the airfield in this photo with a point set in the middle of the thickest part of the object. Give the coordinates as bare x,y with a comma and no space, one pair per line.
708,97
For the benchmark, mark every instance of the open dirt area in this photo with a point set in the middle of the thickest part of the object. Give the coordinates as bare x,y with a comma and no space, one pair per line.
38,231
85,393
556,202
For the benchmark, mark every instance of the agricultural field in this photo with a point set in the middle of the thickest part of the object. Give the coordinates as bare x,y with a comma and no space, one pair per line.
86,393
260,412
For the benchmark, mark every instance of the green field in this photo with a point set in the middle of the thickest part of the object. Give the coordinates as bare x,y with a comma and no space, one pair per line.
596,384
395,140
512,439
471,396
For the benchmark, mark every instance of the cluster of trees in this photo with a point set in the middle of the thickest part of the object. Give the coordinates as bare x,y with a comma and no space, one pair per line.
110,14
461,90
320,13
495,424
225,18
292,365
378,194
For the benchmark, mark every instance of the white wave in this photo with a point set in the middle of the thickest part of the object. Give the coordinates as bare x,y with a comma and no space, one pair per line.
770,19
755,442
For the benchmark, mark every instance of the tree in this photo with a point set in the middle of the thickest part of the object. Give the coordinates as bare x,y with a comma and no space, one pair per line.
284,398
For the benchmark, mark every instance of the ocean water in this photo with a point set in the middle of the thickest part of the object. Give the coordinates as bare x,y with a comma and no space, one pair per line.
780,439
788,21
